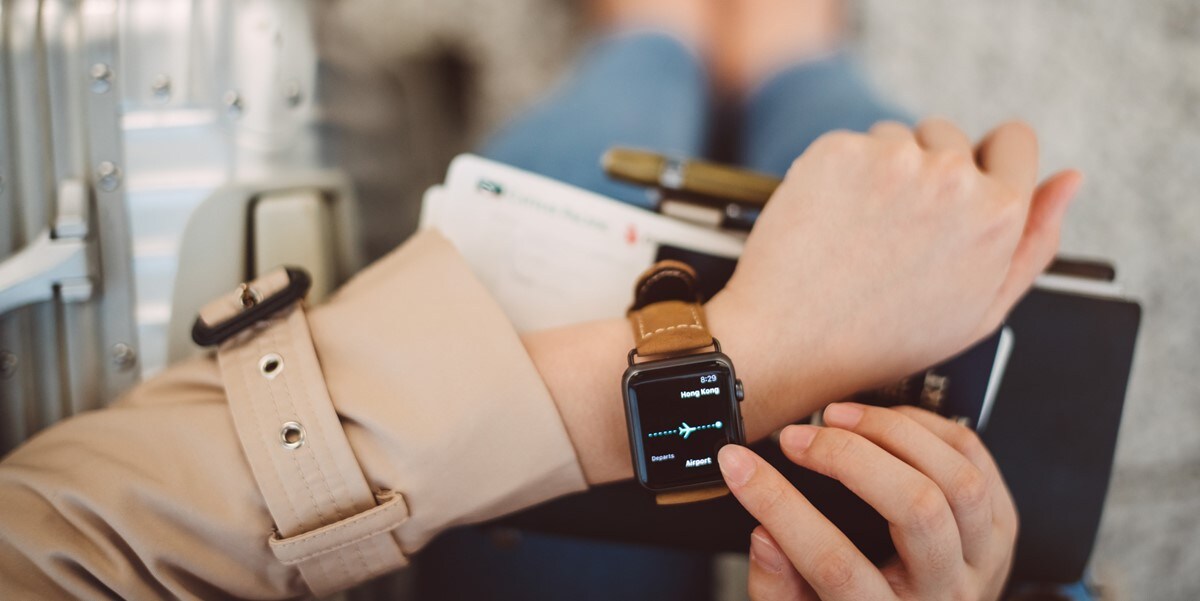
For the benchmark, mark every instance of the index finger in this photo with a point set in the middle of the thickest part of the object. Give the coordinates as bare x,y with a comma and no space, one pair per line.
822,554
967,442
1009,154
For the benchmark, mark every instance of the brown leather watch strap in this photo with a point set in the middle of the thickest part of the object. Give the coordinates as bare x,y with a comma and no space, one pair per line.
667,319
666,314
691,495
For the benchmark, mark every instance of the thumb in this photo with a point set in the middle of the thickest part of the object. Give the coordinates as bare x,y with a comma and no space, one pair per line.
1038,244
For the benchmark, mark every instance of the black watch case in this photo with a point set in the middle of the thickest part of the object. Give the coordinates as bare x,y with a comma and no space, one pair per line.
680,412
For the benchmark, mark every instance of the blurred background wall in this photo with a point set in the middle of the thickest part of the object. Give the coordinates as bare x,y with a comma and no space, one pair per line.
1112,87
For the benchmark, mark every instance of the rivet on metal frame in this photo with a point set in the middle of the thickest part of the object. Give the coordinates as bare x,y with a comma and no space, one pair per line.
291,435
160,86
108,176
101,78
8,365
233,103
123,356
292,93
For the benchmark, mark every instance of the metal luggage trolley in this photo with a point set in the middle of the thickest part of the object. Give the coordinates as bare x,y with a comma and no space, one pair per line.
141,140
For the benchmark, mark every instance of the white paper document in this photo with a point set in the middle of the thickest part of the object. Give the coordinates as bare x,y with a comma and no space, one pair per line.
550,253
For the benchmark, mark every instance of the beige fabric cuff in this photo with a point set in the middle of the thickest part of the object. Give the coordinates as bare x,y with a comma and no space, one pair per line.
437,394
415,416
327,522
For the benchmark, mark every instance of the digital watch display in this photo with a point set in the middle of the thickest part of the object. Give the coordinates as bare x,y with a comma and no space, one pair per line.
680,412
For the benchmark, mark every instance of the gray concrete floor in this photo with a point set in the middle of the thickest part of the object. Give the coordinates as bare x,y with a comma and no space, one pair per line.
1113,87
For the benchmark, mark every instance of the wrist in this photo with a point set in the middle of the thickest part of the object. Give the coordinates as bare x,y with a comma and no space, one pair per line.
581,366
784,374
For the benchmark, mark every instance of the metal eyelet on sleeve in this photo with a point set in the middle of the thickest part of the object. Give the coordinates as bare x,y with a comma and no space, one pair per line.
291,435
270,365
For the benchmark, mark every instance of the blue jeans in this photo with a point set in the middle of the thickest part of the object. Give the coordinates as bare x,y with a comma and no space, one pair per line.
648,91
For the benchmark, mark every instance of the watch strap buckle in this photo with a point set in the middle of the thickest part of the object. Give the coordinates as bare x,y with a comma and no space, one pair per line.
251,303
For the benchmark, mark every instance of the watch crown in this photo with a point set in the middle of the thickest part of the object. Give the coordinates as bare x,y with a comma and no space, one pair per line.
738,391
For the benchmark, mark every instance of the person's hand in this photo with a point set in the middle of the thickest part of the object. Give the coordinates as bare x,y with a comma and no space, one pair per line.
950,515
879,255
884,253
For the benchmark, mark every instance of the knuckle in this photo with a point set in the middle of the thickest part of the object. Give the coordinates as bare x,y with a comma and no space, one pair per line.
908,410
970,490
964,440
893,426
834,448
772,501
834,145
833,571
887,125
937,121
838,140
927,509
942,559
900,162
1019,127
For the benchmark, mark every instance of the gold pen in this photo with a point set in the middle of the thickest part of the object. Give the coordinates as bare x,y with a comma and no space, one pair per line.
736,192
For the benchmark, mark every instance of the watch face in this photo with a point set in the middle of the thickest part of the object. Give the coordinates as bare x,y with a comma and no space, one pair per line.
681,412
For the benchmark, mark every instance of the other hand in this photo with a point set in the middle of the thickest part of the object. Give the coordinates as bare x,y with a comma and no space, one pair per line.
950,515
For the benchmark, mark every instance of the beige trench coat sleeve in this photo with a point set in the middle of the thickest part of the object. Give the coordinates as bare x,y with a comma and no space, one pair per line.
153,497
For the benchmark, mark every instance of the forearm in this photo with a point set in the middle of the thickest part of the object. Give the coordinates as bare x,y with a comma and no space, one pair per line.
582,366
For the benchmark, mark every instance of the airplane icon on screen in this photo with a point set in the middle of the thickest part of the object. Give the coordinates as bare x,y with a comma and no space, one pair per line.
685,430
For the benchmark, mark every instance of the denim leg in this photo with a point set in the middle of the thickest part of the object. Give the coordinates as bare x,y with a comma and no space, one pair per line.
634,89
796,106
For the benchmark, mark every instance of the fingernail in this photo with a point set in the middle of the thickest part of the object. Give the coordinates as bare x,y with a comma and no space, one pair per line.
1074,189
1079,179
764,552
797,438
843,415
737,464
1074,183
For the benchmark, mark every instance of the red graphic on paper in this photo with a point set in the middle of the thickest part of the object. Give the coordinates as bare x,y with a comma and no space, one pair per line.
631,235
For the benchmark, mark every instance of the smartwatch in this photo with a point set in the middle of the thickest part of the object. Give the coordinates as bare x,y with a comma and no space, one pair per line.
682,396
